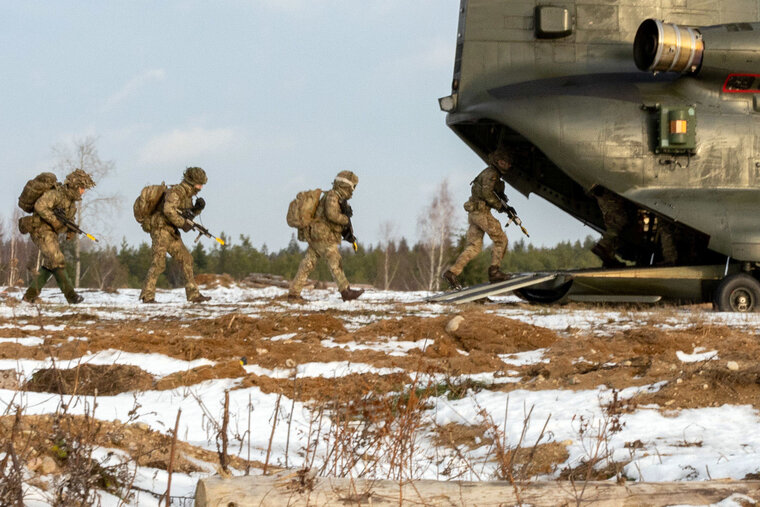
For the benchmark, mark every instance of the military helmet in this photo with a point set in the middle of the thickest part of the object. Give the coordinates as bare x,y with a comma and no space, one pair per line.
195,176
79,179
346,178
499,154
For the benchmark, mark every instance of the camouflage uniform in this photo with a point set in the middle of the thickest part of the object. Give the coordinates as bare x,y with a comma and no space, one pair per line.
481,221
615,219
44,227
164,225
324,235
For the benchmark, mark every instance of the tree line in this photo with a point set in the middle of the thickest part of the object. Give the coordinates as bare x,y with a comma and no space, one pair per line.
394,265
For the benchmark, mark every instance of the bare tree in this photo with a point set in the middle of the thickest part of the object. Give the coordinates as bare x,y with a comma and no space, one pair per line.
435,228
388,244
97,207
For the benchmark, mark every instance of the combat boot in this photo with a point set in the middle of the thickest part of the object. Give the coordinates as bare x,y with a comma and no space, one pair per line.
65,285
350,294
606,256
199,298
451,279
497,275
33,291
295,298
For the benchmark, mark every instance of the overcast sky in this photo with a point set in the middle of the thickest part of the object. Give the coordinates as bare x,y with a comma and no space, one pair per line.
269,96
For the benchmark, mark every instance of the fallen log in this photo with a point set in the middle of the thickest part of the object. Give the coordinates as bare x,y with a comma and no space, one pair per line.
300,489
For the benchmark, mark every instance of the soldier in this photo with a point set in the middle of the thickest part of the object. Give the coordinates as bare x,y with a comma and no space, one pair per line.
478,207
615,218
324,234
44,227
164,225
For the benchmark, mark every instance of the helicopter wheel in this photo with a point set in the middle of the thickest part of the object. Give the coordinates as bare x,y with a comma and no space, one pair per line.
737,293
544,296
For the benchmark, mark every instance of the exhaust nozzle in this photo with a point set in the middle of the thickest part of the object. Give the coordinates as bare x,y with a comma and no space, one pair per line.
667,47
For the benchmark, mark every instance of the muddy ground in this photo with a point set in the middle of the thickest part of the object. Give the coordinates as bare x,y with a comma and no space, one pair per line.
449,347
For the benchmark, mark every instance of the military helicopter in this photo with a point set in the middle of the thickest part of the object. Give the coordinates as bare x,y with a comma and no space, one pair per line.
639,118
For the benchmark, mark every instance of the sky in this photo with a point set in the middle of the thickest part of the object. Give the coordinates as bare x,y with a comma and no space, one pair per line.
270,97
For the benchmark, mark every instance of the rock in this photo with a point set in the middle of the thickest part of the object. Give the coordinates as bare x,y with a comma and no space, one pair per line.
733,366
142,426
9,380
705,387
679,381
261,352
454,324
48,466
290,363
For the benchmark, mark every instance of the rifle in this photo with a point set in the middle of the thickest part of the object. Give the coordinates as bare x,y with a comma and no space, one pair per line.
511,212
348,230
202,231
61,215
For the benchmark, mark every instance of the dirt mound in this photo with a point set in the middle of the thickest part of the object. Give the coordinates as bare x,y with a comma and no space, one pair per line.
528,461
349,388
229,369
237,325
211,281
39,434
89,379
405,329
499,335
709,385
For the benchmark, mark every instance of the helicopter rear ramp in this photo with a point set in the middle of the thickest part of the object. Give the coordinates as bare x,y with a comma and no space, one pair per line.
485,290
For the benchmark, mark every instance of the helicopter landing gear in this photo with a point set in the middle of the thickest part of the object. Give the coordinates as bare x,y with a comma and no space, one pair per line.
737,293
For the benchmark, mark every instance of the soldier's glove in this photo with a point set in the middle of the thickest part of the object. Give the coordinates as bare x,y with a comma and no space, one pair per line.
348,211
187,226
200,204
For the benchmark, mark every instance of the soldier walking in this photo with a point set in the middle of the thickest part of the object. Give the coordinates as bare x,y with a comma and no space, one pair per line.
164,225
51,210
482,199
324,233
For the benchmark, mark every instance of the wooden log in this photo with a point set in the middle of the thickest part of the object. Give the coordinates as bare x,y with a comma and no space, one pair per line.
298,489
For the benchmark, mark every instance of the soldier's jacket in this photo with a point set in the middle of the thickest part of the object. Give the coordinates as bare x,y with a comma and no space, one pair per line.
61,197
177,199
328,222
483,186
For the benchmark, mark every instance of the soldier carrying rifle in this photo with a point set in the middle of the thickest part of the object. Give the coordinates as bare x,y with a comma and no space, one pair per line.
487,194
173,210
54,208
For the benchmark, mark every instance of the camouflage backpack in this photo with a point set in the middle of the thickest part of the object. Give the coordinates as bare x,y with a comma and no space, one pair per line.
302,209
34,189
147,203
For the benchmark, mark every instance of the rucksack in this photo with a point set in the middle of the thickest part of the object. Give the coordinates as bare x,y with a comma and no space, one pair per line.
34,189
302,209
147,203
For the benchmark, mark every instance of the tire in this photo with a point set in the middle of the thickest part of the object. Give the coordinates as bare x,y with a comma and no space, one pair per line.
737,293
544,296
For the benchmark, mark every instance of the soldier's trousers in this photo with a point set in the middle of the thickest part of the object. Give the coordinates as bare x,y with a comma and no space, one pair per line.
481,222
166,240
334,261
47,241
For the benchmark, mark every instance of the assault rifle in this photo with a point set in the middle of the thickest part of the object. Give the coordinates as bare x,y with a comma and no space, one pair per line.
511,212
202,231
61,215
348,230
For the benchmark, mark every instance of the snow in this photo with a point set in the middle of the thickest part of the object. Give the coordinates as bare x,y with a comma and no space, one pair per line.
695,444
697,356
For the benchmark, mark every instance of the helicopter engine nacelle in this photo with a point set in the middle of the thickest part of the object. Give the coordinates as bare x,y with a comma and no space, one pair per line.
667,47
